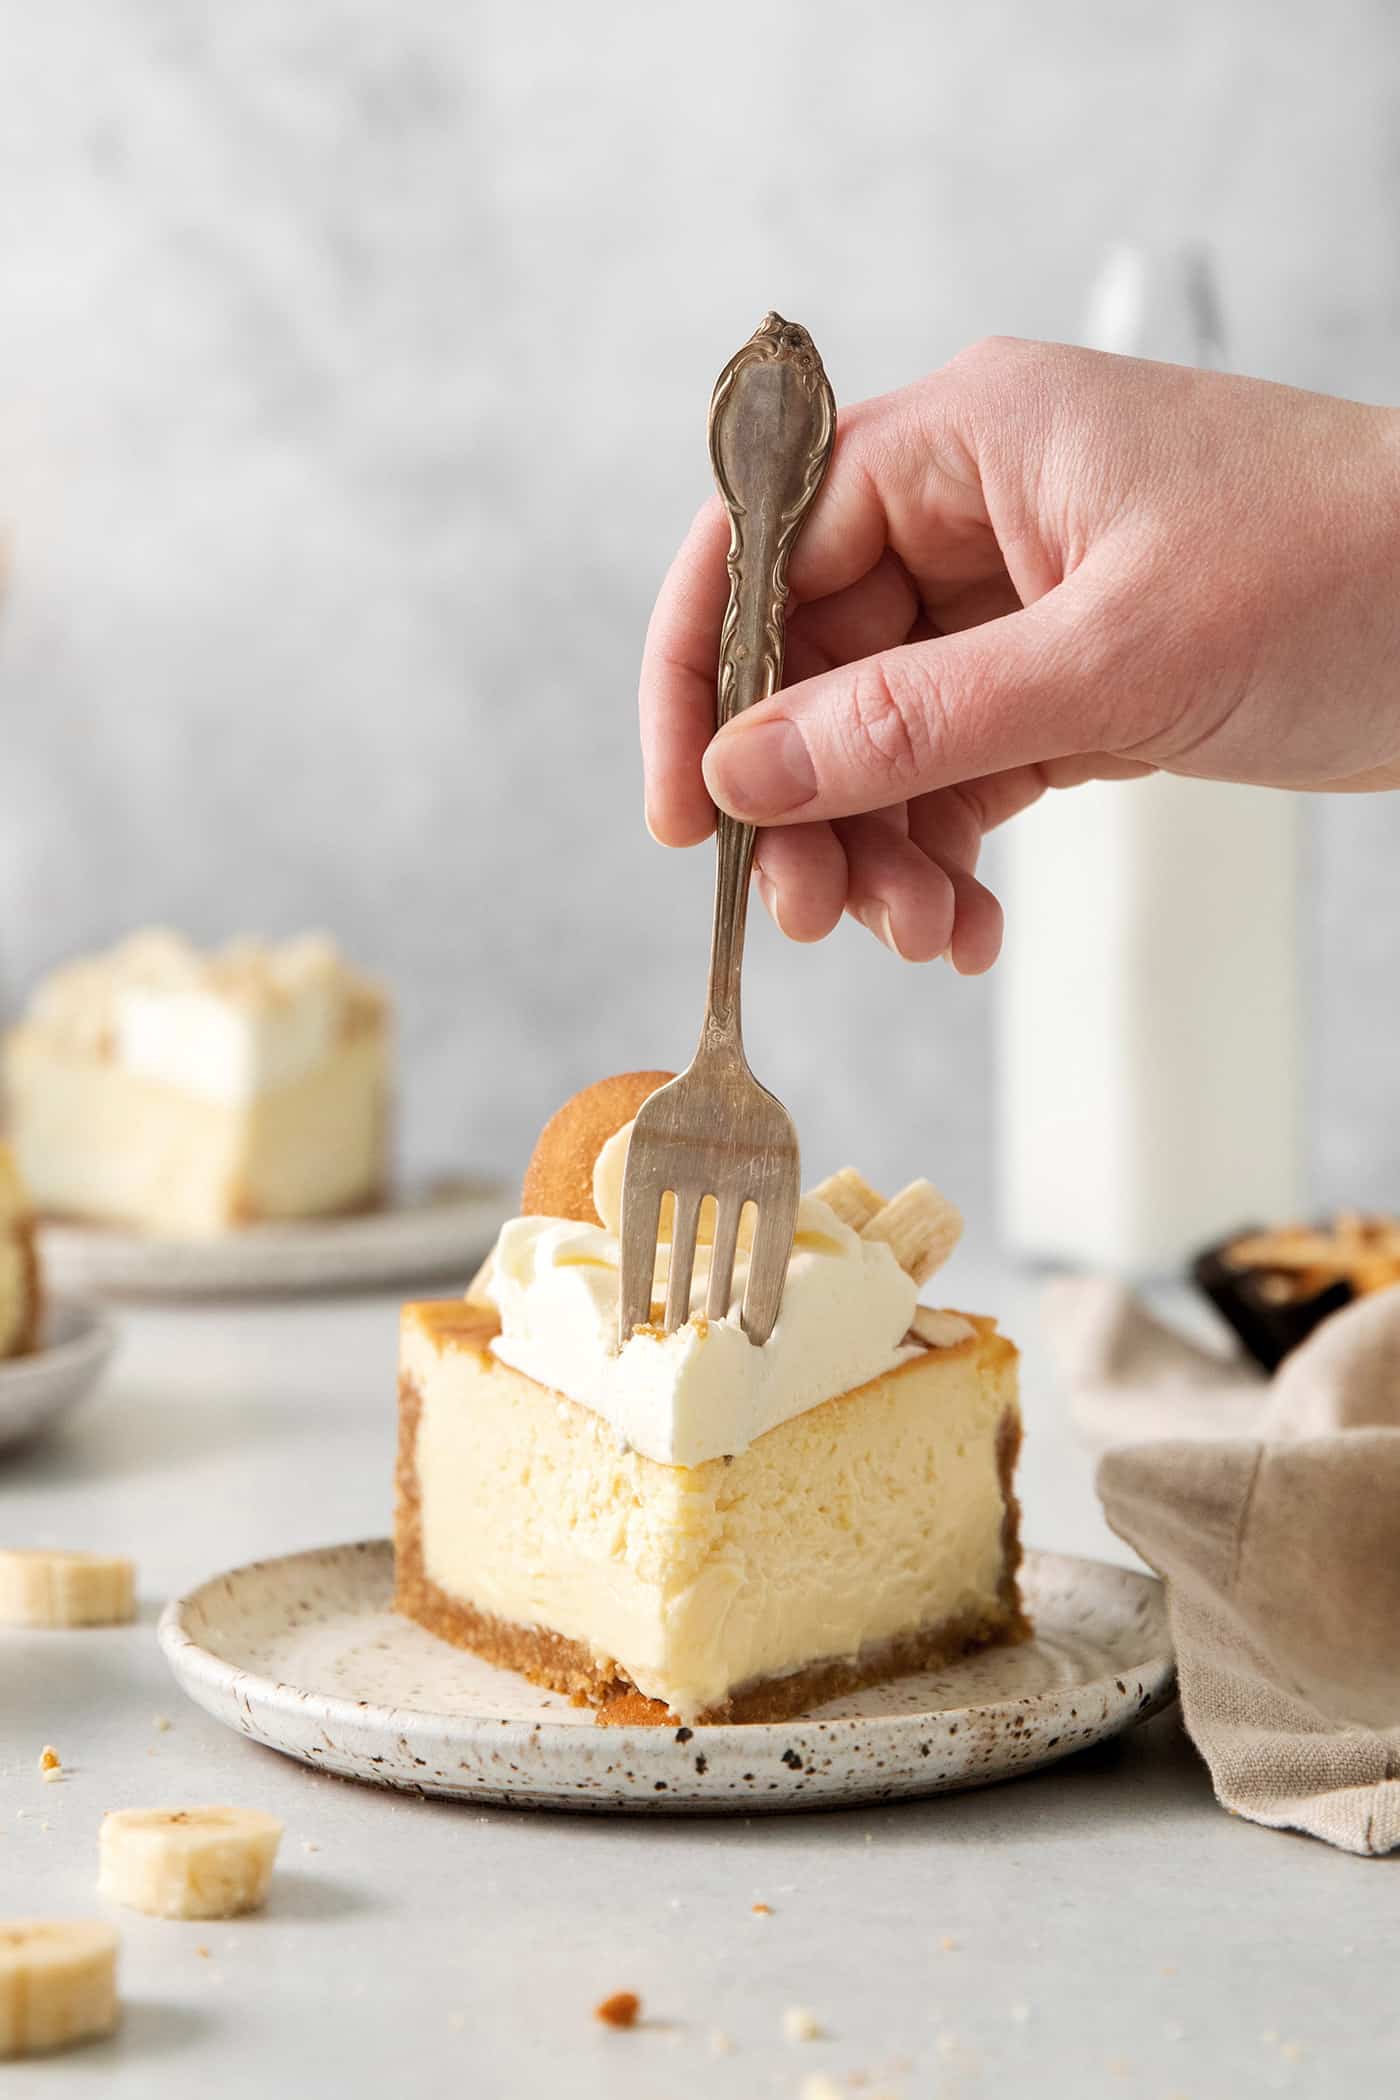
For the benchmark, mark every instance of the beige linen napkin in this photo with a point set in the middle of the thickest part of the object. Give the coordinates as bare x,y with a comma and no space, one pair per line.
1281,1554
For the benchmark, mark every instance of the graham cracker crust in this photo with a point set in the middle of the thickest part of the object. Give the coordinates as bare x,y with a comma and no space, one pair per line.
567,1666
27,1339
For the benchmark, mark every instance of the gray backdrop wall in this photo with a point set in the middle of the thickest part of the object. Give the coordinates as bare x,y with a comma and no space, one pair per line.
353,367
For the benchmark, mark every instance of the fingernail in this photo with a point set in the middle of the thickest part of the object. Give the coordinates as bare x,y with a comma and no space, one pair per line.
760,772
876,919
770,898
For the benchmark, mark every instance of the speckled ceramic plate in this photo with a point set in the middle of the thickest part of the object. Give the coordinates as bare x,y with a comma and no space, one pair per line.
305,1655
432,1232
36,1390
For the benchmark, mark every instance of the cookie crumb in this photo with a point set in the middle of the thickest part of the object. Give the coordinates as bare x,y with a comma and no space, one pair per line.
203,1953
309,1845
620,2010
800,2024
763,1910
1293,2051
49,1760
947,1945
721,2044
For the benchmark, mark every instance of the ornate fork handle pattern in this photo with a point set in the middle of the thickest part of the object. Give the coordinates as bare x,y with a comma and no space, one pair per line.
772,424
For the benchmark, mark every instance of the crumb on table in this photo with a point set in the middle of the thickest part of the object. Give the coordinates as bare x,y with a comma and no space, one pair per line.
620,2010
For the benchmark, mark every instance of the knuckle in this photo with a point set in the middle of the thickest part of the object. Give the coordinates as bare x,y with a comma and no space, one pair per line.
892,714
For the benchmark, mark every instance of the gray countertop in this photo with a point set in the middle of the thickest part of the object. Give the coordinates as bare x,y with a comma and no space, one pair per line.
1102,1929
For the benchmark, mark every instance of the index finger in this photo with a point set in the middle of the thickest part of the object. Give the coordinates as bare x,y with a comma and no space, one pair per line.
677,695
840,543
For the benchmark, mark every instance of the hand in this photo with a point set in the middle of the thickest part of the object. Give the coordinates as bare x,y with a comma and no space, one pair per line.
1037,567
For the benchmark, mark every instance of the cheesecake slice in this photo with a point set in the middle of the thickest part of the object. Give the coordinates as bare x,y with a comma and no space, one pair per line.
689,1528
20,1296
188,1093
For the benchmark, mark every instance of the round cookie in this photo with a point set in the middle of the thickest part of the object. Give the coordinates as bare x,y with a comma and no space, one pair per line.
559,1178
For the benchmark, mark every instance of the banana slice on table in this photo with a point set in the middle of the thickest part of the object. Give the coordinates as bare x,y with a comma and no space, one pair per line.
65,1589
187,1862
919,1226
58,1983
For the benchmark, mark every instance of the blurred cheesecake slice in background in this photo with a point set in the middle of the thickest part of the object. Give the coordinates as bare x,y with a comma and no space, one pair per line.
189,1093
19,1268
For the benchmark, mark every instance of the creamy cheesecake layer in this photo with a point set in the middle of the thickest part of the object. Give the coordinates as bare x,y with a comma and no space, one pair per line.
96,1140
703,1391
840,1534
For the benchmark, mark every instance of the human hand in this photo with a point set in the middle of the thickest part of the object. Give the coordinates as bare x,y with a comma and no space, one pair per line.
1037,567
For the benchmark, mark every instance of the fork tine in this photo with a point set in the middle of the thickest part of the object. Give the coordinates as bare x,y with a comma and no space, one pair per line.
722,1258
641,1213
683,1234
768,1259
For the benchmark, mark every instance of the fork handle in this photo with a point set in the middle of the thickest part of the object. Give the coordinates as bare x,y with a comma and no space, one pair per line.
772,422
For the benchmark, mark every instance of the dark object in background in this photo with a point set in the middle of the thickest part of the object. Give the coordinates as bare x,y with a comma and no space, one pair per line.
1268,1324
1275,1286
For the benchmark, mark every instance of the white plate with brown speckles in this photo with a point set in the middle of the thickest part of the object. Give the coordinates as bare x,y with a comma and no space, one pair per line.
307,1656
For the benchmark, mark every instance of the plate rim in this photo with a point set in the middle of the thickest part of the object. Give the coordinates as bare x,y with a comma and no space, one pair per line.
94,1341
183,1652
415,1234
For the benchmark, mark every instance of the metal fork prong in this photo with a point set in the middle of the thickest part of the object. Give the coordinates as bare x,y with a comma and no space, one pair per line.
683,1235
641,1214
721,1288
768,1260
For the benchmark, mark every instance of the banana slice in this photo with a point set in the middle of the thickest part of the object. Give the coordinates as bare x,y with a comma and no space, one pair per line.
187,1862
66,1589
919,1226
607,1199
939,1330
851,1197
58,1983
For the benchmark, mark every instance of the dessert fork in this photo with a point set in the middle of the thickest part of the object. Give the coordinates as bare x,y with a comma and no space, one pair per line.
715,1132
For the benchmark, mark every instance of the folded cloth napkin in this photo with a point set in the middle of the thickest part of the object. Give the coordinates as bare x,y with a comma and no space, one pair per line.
1280,1550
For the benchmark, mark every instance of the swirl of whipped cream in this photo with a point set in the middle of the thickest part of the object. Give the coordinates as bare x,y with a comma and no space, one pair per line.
704,1392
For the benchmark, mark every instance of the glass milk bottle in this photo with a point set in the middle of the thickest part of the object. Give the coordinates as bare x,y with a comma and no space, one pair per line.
1148,1039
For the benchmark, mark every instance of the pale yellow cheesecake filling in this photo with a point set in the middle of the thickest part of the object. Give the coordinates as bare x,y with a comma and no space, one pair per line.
853,1523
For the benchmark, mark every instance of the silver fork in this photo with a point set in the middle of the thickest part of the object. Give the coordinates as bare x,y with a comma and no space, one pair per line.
715,1132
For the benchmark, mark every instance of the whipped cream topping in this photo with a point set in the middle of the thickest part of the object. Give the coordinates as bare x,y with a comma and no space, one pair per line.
704,1392
223,1026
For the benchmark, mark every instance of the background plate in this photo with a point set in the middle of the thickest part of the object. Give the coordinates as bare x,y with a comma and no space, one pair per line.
305,1655
435,1232
36,1390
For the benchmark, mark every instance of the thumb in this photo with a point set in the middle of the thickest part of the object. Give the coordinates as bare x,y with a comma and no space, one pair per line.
1013,692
